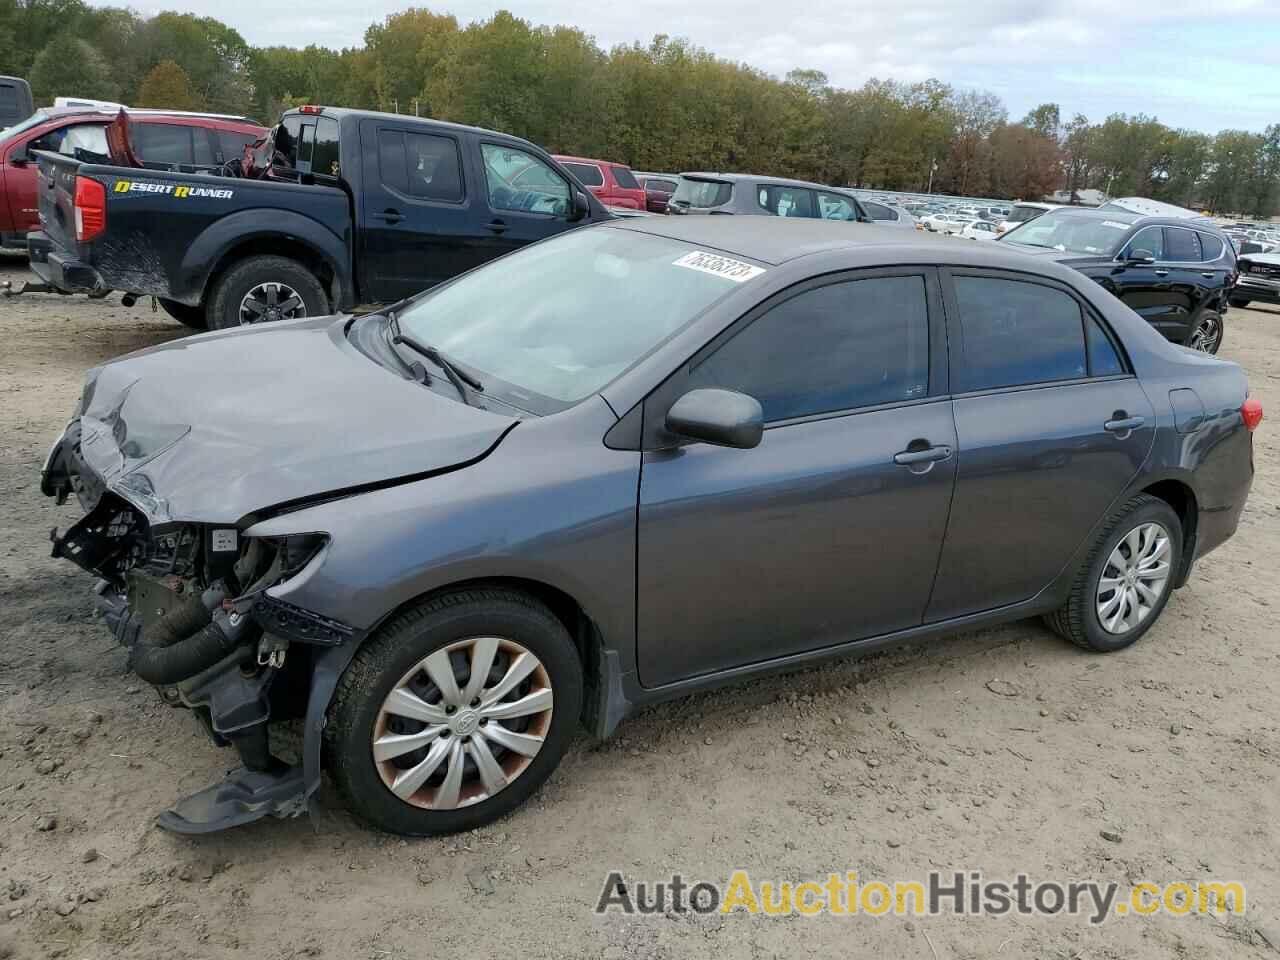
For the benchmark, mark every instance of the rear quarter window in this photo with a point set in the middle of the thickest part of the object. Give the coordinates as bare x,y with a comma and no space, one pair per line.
625,179
588,174
702,194
1210,247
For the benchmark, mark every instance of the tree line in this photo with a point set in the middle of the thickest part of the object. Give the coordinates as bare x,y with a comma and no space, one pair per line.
663,105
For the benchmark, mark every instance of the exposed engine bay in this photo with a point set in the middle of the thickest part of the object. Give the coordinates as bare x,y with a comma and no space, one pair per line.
189,602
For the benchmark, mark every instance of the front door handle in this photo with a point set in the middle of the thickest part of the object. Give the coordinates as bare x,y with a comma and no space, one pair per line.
1162,273
1123,425
907,458
496,226
390,215
1208,274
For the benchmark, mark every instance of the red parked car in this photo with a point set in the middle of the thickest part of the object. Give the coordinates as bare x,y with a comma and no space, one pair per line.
658,188
613,183
158,137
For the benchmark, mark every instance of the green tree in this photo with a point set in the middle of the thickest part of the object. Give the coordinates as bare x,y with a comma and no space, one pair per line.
70,67
167,86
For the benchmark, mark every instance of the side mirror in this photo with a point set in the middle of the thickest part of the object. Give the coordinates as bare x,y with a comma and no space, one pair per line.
724,418
581,206
1140,256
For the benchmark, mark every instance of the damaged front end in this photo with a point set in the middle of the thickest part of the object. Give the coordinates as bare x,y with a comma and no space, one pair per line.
192,603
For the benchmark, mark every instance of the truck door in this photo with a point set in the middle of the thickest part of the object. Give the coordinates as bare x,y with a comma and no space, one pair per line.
418,222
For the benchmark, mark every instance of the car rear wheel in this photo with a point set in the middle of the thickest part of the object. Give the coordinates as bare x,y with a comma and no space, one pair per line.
1207,336
1127,579
455,713
189,316
263,290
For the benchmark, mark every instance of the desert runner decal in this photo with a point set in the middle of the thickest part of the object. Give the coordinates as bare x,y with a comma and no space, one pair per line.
719,266
179,191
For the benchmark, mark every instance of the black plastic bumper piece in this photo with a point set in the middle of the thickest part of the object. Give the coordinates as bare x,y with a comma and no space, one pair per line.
243,797
56,268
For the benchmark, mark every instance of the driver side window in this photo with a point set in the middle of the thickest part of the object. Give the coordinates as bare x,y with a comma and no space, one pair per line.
1150,239
520,182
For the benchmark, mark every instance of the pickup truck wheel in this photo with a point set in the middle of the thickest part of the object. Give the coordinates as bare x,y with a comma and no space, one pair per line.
193,317
265,289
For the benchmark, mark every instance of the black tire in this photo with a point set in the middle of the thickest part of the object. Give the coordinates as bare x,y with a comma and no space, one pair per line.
223,312
1213,321
1239,302
405,641
188,316
1077,619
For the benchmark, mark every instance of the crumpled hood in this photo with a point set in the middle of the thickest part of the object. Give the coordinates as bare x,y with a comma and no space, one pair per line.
216,427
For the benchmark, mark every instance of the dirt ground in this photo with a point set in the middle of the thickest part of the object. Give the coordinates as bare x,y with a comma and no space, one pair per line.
891,766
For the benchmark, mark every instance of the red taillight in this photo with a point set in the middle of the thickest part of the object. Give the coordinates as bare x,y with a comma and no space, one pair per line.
1252,413
91,209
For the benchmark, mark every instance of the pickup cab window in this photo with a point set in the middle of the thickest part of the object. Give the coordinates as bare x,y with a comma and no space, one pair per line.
521,182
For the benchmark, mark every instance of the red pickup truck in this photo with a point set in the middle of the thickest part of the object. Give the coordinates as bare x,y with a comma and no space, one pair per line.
186,139
613,183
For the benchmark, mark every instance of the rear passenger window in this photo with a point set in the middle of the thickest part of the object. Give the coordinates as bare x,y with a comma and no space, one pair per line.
1015,333
1181,246
785,201
1104,360
837,347
164,143
878,211
420,165
1210,247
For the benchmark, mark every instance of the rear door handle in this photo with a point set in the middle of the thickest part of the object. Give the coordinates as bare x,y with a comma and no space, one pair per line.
927,455
390,215
1208,274
1123,424
1162,273
496,226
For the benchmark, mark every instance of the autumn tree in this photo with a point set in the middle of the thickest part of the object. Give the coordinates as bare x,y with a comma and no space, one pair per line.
166,86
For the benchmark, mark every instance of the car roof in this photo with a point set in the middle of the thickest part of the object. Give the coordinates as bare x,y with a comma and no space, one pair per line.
1135,219
563,157
757,178
777,240
145,114
338,113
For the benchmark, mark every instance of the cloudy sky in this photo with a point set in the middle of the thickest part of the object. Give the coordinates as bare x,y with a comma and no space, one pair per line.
1202,64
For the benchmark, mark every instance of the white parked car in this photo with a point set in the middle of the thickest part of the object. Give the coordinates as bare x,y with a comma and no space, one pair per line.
979,230
943,222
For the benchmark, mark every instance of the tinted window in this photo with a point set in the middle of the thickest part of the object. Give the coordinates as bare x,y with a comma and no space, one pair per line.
324,156
660,186
625,178
588,174
392,167
1181,246
878,211
836,347
522,182
1016,333
163,143
434,168
834,207
231,145
1104,359
785,201
1210,246
702,193
1150,239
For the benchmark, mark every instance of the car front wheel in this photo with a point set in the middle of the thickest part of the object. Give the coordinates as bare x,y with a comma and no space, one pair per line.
1127,579
455,713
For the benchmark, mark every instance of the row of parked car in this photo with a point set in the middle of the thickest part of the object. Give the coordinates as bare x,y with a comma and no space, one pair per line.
228,223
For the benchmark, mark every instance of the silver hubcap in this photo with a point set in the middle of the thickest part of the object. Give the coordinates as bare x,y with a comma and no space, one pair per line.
1207,335
1134,579
463,723
268,302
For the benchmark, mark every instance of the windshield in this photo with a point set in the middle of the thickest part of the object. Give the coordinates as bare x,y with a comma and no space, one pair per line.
702,193
553,323
18,128
1071,233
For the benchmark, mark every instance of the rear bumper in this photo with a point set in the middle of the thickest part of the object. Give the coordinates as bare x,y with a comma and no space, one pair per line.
59,269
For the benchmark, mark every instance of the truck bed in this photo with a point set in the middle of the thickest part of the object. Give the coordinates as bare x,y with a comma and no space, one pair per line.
166,232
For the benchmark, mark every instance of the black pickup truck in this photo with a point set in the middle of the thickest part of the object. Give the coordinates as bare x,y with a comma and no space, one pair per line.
357,208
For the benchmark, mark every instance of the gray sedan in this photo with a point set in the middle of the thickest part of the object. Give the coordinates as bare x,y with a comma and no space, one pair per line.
634,461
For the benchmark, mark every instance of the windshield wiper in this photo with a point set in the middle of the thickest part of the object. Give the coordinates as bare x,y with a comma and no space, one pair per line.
457,376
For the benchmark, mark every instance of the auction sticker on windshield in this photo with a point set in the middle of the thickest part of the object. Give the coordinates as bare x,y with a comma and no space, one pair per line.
719,266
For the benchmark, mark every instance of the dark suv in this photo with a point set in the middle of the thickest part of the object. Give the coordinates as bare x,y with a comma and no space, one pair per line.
1175,273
